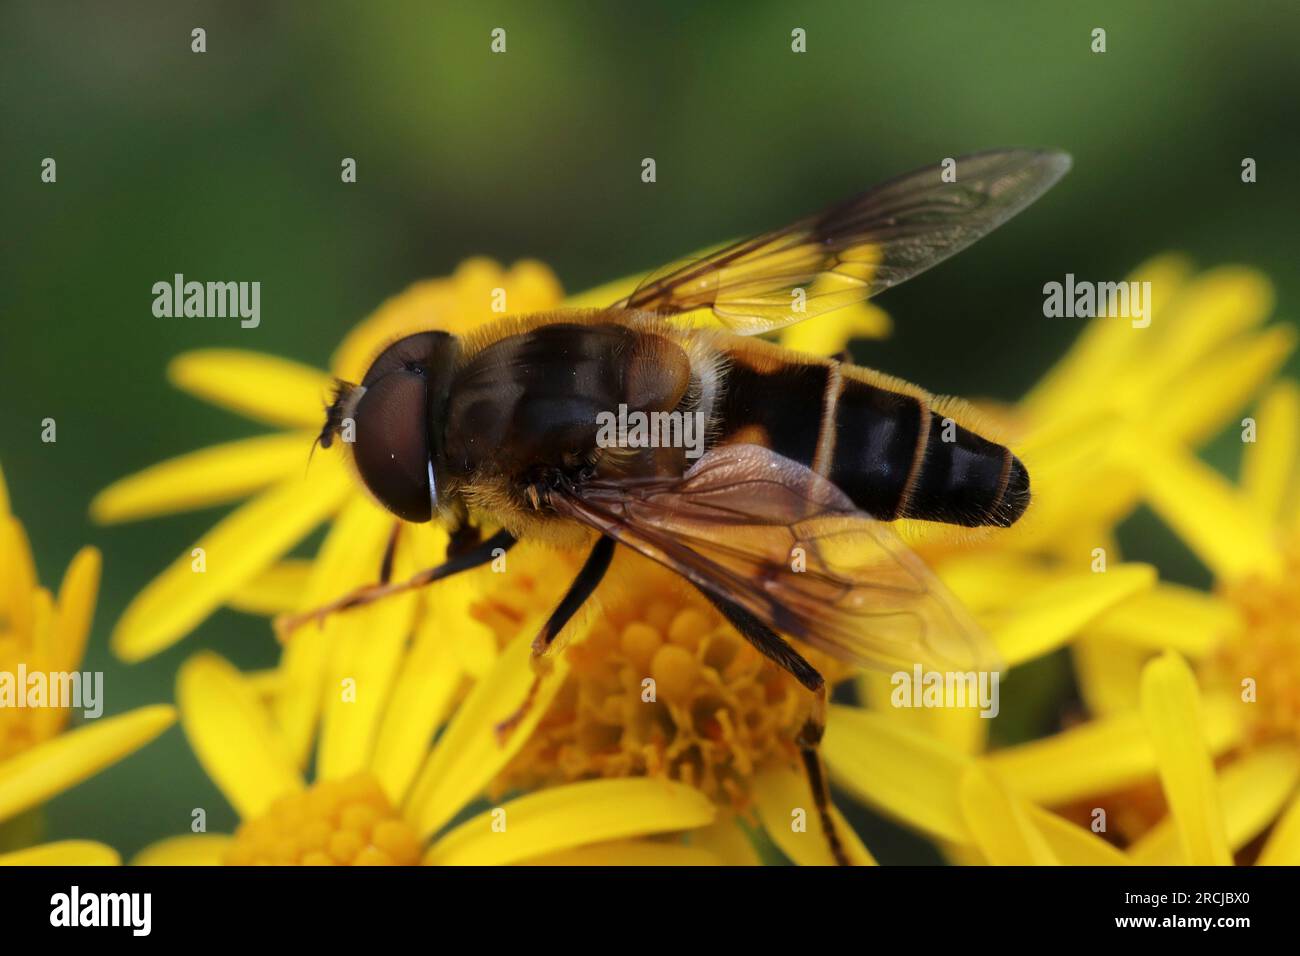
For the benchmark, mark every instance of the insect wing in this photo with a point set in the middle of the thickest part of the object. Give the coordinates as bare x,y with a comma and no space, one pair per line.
854,249
787,545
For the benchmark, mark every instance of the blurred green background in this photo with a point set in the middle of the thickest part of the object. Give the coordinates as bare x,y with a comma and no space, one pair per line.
226,165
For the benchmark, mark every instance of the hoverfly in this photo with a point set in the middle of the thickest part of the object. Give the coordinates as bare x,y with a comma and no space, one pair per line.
805,457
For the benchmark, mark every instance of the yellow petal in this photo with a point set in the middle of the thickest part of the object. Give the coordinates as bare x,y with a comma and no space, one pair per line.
367,651
76,608
959,728
1283,845
628,853
1051,615
1190,413
428,304
573,815
64,853
1216,307
533,287
241,545
46,721
267,389
4,496
830,334
266,683
1108,672
1105,346
1073,845
1269,463
1000,822
367,654
231,735
277,590
1252,791
458,304
1169,617
468,754
984,581
726,840
785,804
605,294
899,770
1101,756
17,577
350,557
206,477
1205,511
196,849
1170,706
34,775
421,700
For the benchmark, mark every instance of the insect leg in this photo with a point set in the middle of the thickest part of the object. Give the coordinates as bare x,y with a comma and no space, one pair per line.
772,646
473,558
465,537
386,565
588,579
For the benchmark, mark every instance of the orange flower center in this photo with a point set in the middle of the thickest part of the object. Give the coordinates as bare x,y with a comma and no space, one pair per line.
334,823
661,685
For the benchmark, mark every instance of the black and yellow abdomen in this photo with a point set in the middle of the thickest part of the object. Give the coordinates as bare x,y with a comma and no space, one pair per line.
879,439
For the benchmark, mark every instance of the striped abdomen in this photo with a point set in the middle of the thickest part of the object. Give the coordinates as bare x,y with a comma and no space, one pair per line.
877,438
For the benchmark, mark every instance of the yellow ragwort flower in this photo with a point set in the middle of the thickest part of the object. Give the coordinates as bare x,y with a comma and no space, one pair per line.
1084,433
727,718
387,797
725,723
43,634
1216,780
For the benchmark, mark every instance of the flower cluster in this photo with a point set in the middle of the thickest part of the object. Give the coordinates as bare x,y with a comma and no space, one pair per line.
1184,748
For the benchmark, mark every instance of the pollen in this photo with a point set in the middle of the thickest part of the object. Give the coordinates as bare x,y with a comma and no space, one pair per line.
347,822
661,685
1261,662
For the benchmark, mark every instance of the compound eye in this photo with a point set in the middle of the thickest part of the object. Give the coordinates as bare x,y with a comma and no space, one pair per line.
419,349
392,445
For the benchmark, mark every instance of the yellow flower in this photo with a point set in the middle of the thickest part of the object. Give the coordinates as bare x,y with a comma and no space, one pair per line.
42,635
1085,433
657,685
383,796
728,717
994,813
725,722
1216,800
1244,641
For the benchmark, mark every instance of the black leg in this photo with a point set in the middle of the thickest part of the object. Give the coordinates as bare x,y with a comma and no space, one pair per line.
475,557
465,537
588,579
386,565
772,646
